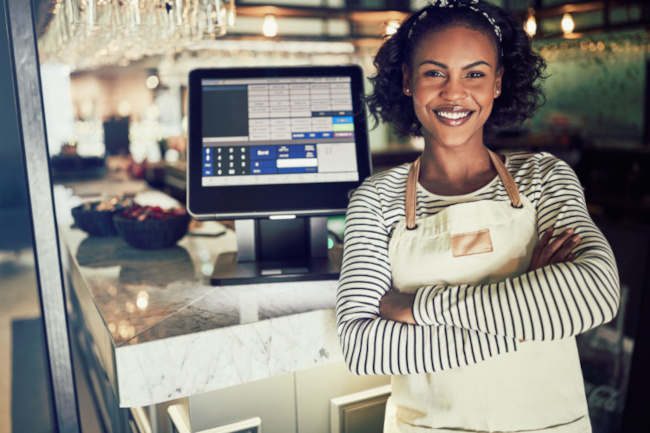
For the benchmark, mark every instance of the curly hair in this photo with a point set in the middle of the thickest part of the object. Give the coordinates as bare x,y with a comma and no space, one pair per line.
520,95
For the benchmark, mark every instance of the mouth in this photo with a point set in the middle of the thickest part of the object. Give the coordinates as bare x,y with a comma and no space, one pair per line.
453,115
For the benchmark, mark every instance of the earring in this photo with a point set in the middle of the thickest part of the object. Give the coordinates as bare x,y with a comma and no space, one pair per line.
407,90
498,91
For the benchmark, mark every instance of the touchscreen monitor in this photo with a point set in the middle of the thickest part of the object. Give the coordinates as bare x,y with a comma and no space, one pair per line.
275,141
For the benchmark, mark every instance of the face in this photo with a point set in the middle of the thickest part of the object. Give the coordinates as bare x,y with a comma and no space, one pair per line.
453,80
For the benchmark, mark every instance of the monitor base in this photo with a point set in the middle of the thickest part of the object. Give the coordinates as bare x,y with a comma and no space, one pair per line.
228,271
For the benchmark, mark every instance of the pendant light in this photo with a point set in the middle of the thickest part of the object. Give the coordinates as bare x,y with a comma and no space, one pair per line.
567,24
270,26
231,13
391,27
531,23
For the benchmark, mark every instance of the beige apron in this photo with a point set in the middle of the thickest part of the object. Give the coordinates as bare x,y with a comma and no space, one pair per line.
537,387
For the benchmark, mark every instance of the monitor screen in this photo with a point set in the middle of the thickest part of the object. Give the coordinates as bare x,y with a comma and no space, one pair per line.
273,141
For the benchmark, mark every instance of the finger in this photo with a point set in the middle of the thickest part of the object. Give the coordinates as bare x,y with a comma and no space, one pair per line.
541,244
548,234
556,244
562,254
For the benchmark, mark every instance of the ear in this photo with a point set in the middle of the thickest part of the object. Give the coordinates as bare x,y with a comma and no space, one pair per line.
406,80
498,82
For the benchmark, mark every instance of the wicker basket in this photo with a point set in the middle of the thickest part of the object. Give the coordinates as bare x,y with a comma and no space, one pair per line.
152,234
95,222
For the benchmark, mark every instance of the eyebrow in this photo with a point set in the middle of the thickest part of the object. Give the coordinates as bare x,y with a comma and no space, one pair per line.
443,66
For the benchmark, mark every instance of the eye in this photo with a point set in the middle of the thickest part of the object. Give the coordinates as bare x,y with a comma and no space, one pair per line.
433,73
475,74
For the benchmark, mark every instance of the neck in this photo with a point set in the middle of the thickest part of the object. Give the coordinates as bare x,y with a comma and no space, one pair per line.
455,166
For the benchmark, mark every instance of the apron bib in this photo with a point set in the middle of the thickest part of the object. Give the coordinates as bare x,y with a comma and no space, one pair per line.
537,387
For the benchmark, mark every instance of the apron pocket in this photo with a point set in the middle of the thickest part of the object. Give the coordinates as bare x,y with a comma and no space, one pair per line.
466,244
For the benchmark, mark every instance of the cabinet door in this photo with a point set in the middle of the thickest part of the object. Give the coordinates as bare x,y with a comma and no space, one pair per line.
361,412
315,388
272,400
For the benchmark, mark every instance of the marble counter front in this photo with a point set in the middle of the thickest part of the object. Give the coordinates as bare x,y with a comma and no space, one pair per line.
162,332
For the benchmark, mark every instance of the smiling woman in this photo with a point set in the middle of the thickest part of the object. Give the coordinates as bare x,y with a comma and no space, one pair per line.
467,275
520,95
453,78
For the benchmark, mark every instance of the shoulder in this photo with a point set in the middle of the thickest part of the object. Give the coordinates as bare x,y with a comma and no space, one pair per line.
543,160
385,182
380,190
540,165
392,178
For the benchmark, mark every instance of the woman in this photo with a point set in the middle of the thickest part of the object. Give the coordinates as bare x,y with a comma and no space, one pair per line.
466,276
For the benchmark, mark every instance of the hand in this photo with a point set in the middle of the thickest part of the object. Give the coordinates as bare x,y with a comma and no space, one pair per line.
559,250
397,306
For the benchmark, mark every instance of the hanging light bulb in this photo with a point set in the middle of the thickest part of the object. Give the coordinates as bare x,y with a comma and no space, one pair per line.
391,27
270,26
152,82
231,13
531,23
567,23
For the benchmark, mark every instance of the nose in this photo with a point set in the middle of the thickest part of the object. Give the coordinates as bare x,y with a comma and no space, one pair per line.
453,90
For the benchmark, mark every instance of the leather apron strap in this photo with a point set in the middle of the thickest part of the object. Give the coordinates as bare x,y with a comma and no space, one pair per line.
507,179
412,194
410,201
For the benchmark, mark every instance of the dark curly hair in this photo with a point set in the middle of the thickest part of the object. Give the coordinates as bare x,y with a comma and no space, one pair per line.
520,95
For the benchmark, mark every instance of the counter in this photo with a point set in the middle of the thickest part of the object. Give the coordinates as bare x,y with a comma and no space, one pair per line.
157,331
163,332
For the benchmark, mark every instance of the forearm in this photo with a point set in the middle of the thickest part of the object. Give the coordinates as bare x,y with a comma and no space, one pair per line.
554,301
380,346
372,345
398,307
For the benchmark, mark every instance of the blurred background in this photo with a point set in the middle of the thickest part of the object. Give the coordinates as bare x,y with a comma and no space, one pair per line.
114,85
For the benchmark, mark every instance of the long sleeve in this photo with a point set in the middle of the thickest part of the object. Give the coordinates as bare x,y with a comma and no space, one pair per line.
372,345
552,302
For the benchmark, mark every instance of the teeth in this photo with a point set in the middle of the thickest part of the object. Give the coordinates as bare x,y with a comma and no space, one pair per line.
453,115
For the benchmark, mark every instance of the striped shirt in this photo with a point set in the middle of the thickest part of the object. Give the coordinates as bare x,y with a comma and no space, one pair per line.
553,302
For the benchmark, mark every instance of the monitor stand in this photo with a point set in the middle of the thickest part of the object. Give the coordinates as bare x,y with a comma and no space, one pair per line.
276,250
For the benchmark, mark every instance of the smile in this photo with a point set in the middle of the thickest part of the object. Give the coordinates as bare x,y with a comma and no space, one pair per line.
453,117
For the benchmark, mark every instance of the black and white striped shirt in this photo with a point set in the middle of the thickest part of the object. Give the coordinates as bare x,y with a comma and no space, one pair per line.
553,302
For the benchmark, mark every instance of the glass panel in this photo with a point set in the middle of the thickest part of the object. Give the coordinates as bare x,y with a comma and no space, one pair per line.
25,390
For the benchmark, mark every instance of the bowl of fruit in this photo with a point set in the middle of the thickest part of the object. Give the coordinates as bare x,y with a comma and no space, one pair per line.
96,218
151,227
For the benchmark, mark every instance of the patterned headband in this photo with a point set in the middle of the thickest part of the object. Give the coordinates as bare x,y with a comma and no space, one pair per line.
457,3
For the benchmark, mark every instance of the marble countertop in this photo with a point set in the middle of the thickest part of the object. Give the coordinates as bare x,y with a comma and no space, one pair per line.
162,332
